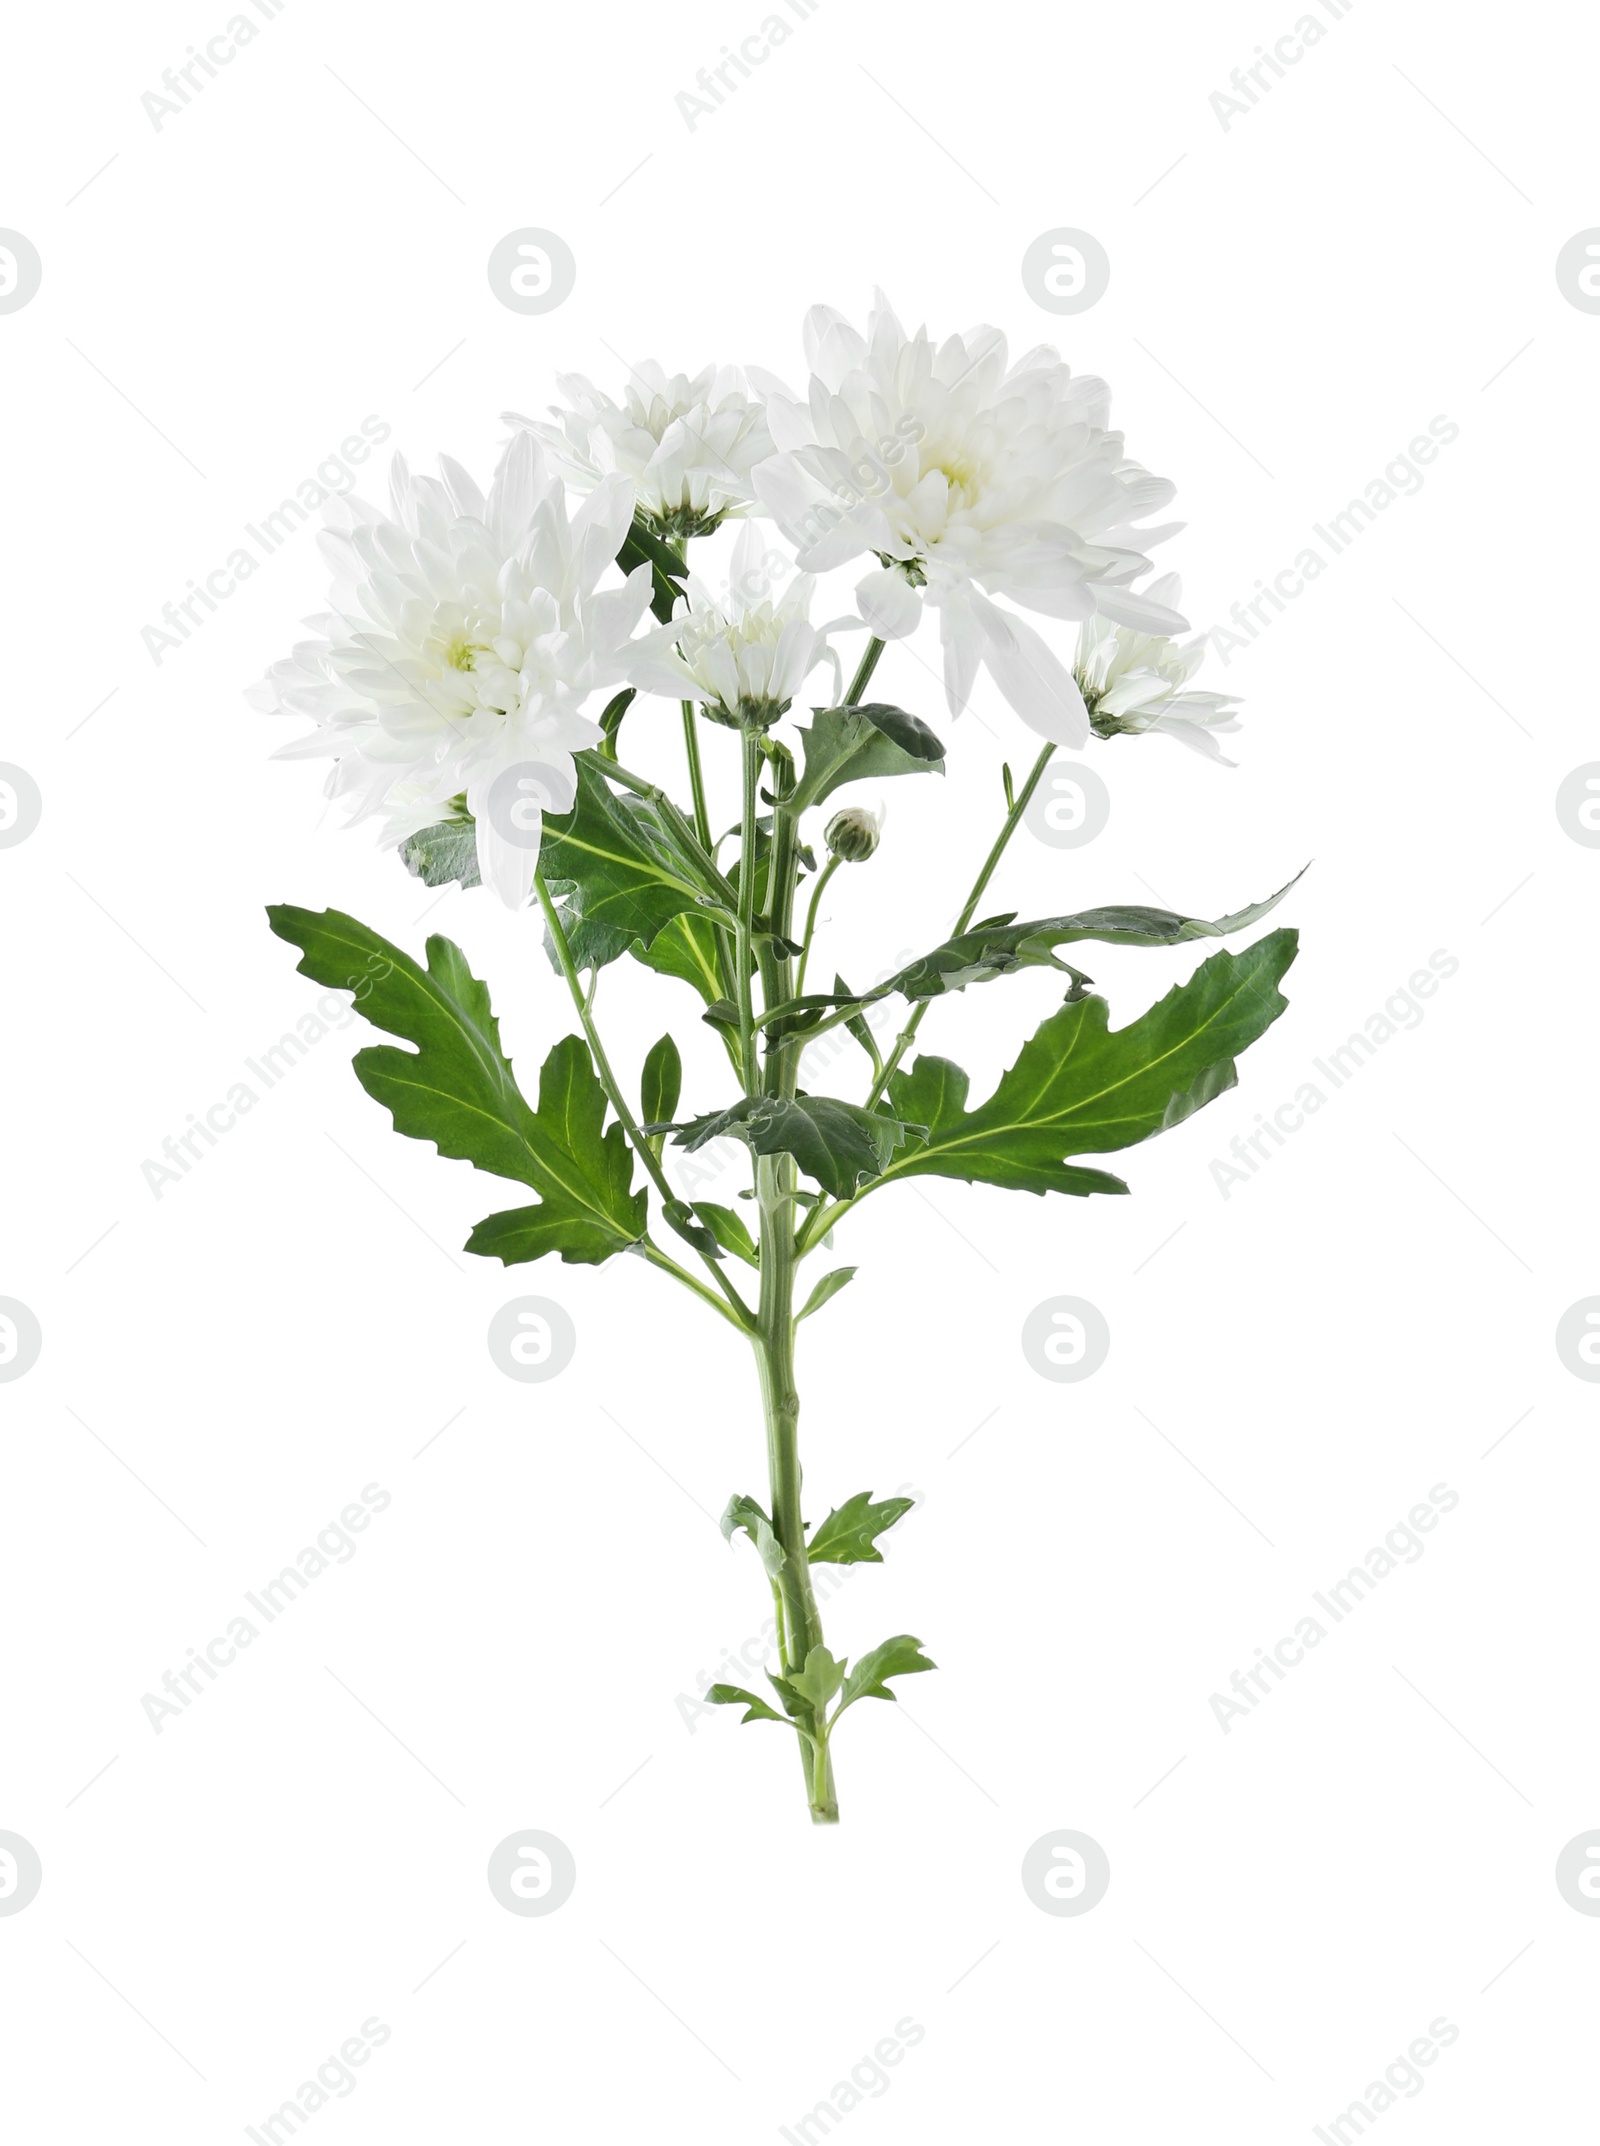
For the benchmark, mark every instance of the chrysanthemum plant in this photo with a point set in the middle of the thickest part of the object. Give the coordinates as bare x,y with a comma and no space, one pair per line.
476,684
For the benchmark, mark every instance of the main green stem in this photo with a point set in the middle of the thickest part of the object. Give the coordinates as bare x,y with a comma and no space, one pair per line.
907,1035
773,1341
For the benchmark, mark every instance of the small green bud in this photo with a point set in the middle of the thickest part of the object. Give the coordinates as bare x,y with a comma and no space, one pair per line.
853,834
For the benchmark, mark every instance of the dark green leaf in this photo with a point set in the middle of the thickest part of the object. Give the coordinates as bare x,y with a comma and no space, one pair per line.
457,1090
641,546
681,1218
828,1287
662,1081
849,1534
836,1143
853,744
901,1656
686,948
735,1695
620,870
999,945
729,1231
1080,1087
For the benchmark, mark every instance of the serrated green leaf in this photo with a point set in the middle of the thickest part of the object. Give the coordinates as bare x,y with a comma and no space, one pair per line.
999,945
1081,1087
744,1513
736,1695
901,1656
854,744
444,855
828,1287
817,1682
661,1083
836,1143
687,949
729,1230
457,1089
620,871
849,1534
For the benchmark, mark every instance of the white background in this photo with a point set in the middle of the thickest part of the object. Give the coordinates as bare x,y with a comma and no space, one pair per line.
1293,299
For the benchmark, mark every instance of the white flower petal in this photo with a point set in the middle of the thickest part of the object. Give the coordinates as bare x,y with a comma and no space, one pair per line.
888,604
1032,677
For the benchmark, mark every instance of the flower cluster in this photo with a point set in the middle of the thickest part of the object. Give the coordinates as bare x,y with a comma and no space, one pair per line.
688,446
468,635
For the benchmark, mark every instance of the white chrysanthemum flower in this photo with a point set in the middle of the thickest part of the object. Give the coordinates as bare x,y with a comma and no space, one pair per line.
464,638
689,445
1134,682
743,654
970,478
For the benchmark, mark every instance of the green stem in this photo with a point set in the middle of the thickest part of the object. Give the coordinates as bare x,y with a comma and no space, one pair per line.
864,671
903,1042
697,783
741,1313
751,747
823,877
653,794
775,1323
657,1258
774,1347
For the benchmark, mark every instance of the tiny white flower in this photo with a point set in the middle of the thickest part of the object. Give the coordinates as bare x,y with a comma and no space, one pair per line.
970,478
464,637
1133,682
744,654
688,444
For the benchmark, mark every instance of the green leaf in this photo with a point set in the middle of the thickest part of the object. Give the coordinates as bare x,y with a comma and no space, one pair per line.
641,546
620,870
853,744
729,1230
682,1219
848,1535
857,1025
901,1656
445,855
742,1512
687,949
818,1681
661,1083
1081,1087
457,1090
736,1695
836,1143
999,945
828,1287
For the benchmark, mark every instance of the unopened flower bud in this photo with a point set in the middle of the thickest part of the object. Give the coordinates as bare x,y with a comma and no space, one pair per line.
853,833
